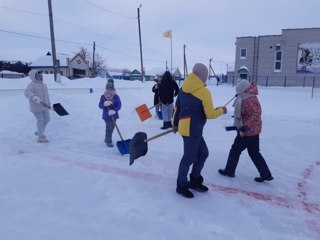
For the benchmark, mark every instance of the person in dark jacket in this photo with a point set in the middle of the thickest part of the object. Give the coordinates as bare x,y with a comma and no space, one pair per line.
156,98
110,103
167,91
193,107
247,119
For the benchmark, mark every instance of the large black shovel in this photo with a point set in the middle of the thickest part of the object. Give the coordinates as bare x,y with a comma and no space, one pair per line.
57,107
139,146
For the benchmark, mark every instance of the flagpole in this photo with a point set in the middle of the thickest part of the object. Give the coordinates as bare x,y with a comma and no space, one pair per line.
168,34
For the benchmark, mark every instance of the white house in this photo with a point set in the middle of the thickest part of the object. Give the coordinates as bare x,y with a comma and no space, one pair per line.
76,67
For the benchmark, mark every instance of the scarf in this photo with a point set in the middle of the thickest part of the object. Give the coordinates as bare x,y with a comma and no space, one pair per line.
109,94
237,104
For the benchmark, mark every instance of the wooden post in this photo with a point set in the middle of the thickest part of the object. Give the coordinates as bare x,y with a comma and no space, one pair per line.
141,59
53,46
185,68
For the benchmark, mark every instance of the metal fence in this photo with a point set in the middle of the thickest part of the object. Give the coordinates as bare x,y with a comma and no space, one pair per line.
282,81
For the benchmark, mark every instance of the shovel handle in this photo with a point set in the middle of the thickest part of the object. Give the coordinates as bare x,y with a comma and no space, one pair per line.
158,135
230,100
115,124
46,105
150,108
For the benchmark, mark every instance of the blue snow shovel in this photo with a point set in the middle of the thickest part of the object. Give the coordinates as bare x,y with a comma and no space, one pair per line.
123,145
159,115
159,112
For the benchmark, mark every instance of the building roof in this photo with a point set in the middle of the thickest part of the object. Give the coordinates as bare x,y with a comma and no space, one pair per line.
46,61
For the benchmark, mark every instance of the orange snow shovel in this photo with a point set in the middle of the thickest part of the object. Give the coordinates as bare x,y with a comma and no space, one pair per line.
144,112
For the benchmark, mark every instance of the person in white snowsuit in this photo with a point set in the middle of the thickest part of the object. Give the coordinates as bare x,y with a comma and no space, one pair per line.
38,95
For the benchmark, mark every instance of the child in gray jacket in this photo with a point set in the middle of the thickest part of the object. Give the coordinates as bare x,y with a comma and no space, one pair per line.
37,93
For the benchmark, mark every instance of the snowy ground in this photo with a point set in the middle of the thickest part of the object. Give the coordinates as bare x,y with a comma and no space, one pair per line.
76,188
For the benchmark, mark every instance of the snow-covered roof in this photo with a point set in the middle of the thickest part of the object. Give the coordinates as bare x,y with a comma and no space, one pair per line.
243,68
9,72
46,61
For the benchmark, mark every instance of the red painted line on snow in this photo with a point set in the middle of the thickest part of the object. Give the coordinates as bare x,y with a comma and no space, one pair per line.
303,195
280,201
301,186
311,208
151,177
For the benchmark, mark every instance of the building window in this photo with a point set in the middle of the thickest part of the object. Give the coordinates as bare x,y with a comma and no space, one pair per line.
278,61
243,53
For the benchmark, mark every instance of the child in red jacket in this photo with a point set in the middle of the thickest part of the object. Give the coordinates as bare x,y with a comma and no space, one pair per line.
247,119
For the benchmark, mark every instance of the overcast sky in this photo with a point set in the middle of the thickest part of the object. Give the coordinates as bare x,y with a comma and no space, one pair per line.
208,28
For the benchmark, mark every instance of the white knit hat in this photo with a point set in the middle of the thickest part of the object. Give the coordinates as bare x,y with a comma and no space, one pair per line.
242,86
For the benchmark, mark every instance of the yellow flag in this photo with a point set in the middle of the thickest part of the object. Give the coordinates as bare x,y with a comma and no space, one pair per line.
167,34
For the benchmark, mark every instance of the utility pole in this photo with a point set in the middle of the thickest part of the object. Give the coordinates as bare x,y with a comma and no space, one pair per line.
185,69
53,46
93,63
214,74
141,59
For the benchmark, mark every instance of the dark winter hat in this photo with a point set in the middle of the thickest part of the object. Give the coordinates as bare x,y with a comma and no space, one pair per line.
167,75
110,84
201,71
242,86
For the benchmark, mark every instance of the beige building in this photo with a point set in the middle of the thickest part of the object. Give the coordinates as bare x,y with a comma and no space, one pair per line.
289,59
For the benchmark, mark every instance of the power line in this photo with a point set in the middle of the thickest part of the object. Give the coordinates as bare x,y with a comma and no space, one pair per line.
206,58
23,11
77,43
40,37
106,10
111,37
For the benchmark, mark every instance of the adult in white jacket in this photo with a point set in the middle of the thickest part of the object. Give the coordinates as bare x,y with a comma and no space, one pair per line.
38,95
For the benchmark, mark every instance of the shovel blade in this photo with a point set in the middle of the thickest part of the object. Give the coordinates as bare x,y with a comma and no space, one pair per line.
143,112
57,107
138,147
124,146
231,128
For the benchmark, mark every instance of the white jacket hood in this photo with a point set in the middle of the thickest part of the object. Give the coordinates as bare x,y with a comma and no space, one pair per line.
32,75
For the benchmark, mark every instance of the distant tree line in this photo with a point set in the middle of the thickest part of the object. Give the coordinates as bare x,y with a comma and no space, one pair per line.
15,67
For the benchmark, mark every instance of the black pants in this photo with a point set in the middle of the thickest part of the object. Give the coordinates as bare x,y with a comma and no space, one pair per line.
252,145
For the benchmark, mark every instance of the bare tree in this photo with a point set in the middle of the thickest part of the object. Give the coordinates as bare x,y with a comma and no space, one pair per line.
85,54
99,62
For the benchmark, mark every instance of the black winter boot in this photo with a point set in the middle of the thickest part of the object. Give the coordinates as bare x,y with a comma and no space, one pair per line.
196,184
262,179
223,172
165,125
184,191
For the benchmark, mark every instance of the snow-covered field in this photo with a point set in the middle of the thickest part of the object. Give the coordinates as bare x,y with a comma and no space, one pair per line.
76,188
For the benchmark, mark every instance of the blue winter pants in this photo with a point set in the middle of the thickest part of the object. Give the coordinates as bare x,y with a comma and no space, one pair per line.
167,112
195,154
